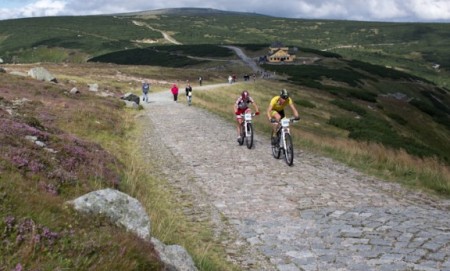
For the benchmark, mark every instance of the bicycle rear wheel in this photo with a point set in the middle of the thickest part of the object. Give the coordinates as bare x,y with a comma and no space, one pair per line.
249,137
276,151
289,151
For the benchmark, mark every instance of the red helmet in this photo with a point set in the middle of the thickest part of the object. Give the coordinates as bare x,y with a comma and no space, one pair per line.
245,95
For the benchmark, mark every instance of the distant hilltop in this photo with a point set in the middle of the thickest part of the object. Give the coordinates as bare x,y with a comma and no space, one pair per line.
188,11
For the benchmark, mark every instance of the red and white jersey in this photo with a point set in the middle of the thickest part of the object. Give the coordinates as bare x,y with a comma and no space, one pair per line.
243,104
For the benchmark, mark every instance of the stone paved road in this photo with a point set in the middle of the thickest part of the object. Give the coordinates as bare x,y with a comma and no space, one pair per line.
316,215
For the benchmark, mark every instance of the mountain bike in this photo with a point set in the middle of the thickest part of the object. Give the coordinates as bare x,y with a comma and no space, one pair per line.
282,141
247,130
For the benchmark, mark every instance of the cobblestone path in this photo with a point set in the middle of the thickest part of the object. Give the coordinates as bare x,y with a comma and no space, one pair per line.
315,215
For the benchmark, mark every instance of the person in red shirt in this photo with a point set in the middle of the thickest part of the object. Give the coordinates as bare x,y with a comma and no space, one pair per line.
175,92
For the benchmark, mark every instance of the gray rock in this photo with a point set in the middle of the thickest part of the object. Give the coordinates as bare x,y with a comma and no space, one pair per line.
130,97
128,212
74,91
175,257
119,207
41,74
93,87
129,104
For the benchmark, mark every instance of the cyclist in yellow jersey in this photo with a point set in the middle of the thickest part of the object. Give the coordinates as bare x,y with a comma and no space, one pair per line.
277,106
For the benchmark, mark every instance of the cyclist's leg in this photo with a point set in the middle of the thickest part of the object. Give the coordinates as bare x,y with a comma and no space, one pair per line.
239,121
238,125
280,116
275,115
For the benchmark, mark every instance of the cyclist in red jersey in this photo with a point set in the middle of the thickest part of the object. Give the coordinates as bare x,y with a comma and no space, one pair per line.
241,106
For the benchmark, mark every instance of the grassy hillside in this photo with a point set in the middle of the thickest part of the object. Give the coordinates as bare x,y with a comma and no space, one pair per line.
368,96
38,232
411,47
89,144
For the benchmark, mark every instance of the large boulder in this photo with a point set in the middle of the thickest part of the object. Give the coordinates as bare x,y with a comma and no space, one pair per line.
129,213
40,73
120,208
131,97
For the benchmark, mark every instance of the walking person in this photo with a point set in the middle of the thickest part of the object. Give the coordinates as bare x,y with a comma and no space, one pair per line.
145,90
174,90
200,79
188,93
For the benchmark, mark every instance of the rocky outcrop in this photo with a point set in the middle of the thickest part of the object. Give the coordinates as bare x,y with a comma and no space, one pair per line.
120,208
131,100
127,212
41,74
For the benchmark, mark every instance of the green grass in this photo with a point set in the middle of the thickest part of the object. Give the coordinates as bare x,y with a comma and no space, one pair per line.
411,47
93,139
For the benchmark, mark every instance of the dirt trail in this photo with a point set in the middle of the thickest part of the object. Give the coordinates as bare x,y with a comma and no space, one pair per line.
316,215
165,35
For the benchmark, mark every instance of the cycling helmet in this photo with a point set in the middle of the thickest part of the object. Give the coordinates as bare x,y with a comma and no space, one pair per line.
245,95
284,94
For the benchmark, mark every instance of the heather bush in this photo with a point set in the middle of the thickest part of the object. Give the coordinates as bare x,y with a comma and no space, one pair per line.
54,148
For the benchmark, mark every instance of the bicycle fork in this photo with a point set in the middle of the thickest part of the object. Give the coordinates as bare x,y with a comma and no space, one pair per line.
244,126
284,131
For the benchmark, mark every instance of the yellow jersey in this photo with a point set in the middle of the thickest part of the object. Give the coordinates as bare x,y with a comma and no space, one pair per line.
277,105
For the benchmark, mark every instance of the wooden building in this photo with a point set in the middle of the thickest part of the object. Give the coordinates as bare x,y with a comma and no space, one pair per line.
279,53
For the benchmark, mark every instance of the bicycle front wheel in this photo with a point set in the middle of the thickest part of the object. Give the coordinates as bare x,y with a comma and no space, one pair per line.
289,151
242,138
249,136
276,151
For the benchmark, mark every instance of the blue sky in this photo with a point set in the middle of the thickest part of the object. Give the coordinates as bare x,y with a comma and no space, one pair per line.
362,10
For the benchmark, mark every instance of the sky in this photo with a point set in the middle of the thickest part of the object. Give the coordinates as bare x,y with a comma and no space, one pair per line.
360,10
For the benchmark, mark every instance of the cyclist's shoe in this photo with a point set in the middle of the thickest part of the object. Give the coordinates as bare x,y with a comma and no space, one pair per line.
238,139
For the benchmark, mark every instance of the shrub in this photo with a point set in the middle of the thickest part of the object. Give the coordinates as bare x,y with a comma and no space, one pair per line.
349,106
397,118
305,103
373,129
146,57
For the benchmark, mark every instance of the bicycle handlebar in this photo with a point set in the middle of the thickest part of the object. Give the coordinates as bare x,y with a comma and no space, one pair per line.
291,119
253,114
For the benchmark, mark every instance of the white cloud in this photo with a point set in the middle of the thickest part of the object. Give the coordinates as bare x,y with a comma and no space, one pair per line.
431,10
367,10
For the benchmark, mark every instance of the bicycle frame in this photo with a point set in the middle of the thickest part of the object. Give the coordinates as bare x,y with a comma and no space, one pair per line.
247,129
284,144
247,120
284,129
